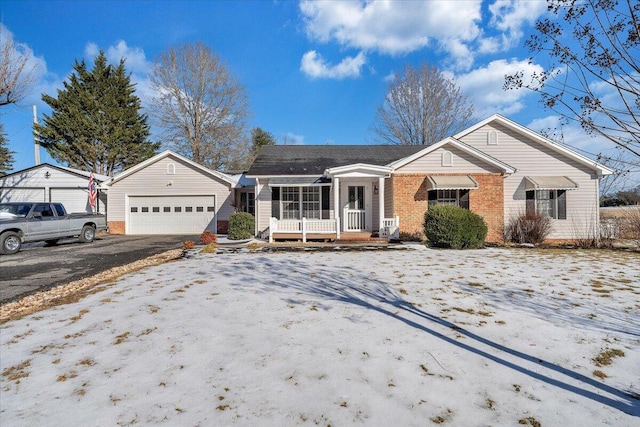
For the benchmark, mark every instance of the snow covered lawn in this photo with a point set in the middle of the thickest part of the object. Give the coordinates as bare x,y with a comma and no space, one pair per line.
387,338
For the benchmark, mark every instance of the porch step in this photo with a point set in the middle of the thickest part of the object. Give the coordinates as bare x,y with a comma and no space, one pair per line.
360,237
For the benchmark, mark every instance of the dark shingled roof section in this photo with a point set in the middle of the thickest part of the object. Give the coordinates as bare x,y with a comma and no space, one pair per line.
314,159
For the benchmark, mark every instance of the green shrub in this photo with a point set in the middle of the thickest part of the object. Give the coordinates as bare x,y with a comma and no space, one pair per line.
453,227
241,226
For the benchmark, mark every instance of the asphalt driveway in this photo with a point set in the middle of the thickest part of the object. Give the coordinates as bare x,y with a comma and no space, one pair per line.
38,267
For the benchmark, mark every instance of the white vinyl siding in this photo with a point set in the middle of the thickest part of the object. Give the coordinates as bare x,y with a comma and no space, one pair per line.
531,158
61,186
461,162
153,180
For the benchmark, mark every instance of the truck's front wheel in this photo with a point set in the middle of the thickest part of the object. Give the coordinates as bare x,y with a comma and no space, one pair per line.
87,234
10,242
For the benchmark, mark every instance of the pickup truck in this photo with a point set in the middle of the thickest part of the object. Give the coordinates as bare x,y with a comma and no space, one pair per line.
22,222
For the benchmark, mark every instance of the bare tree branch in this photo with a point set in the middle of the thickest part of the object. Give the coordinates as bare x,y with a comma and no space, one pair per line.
201,108
593,77
17,72
421,107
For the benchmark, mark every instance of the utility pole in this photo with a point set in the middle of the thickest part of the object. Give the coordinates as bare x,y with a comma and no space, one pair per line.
35,138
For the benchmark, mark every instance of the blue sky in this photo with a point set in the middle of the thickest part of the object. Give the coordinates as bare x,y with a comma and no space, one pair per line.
315,72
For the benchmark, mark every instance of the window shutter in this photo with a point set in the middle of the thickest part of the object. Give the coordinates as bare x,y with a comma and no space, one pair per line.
275,202
464,199
531,202
562,204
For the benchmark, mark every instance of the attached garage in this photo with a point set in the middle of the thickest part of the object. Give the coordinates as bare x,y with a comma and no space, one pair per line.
169,194
171,214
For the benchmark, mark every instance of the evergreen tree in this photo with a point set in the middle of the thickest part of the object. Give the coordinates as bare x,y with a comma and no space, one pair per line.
260,138
95,123
6,155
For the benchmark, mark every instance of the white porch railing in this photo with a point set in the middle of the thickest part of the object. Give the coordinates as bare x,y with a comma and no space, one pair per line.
390,228
356,220
304,226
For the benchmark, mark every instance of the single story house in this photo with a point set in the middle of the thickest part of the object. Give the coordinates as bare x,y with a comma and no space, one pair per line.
496,168
169,194
51,183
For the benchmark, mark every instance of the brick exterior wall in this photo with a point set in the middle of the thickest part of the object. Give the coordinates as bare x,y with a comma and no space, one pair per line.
116,227
410,202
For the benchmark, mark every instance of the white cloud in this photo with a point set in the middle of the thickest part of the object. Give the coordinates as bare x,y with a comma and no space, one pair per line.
291,138
484,86
135,58
455,28
41,78
314,66
508,17
390,27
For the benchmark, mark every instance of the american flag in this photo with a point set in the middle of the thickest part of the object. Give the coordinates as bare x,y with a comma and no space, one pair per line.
93,191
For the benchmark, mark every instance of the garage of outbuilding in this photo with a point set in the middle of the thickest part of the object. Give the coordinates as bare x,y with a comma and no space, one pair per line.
169,194
51,183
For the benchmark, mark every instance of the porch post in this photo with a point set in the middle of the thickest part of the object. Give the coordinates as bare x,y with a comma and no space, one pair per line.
380,203
337,213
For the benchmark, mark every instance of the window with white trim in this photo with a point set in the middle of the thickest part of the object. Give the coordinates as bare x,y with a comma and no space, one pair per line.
299,202
311,202
551,203
290,202
449,197
171,169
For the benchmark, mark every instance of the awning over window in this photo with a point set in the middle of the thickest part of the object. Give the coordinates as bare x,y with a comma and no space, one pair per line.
449,182
300,181
549,183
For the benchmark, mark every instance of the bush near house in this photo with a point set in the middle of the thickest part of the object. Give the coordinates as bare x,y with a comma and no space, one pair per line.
241,226
208,237
528,228
454,227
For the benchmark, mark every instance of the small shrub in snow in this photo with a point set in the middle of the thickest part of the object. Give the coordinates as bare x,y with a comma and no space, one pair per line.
189,244
241,226
211,248
208,237
454,227
528,228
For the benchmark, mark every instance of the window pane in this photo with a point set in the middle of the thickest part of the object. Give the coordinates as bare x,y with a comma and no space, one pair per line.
188,209
166,209
145,209
199,209
156,209
177,209
290,197
134,210
210,208
562,204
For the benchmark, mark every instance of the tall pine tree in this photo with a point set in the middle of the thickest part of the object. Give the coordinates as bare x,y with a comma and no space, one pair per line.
6,155
95,123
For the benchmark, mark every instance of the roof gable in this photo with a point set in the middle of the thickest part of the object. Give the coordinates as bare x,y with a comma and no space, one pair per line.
71,171
460,145
168,153
534,136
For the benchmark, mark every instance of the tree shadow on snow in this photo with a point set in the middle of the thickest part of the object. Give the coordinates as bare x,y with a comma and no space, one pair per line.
350,287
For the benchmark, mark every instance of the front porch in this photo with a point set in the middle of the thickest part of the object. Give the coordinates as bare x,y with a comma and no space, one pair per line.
330,229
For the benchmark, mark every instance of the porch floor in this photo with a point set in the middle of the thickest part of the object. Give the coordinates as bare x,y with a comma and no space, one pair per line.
350,237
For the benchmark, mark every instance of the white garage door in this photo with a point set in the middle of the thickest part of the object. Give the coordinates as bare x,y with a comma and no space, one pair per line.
171,215
73,199
17,194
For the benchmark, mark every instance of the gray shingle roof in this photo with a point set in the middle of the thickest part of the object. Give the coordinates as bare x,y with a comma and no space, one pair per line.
314,159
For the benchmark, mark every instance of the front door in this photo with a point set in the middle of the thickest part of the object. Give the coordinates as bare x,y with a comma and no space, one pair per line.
356,212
